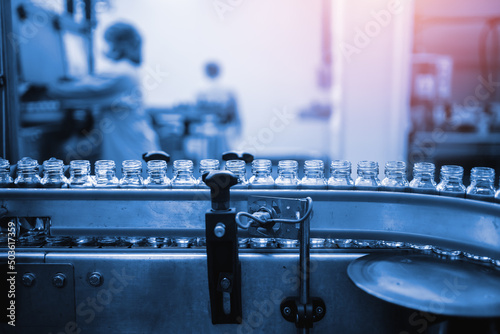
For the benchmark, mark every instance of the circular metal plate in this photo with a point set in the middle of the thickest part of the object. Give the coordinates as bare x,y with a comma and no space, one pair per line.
429,284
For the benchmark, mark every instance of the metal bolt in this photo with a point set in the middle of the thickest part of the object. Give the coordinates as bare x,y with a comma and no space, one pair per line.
225,283
319,310
287,310
95,279
59,280
28,279
220,230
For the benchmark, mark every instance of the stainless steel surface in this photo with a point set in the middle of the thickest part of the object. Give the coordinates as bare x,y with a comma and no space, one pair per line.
166,291
430,284
42,305
469,225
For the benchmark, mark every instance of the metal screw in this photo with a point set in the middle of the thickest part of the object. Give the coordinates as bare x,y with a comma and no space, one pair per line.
95,279
225,283
319,310
220,230
287,310
59,280
28,279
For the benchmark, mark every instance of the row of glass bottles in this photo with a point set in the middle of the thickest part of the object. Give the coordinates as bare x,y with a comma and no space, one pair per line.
481,187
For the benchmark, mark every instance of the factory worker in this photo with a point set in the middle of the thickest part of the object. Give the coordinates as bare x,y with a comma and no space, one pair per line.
122,125
216,101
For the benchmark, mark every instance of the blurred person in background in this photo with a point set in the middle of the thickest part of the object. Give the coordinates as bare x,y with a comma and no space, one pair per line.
219,101
126,129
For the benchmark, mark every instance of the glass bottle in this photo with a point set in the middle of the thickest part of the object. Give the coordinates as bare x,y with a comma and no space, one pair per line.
183,175
367,176
105,174
53,174
157,174
314,175
79,171
482,184
340,175
132,174
423,178
238,168
261,175
395,177
27,174
206,166
287,175
451,181
6,180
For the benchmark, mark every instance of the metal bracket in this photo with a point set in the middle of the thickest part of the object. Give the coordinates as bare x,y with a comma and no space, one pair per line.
224,269
303,315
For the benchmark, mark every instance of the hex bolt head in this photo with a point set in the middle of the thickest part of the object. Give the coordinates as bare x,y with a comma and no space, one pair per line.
28,279
225,283
220,230
95,279
319,310
59,280
287,310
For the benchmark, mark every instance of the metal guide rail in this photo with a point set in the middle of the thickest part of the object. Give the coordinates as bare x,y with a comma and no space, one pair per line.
144,268
468,225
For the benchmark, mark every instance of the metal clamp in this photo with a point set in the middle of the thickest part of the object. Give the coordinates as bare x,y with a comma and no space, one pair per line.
224,269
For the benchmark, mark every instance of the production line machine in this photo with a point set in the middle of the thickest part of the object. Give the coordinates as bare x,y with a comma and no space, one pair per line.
249,261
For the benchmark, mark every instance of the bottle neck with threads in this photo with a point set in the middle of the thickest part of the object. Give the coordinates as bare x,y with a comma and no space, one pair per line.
105,174
395,177
261,174
238,168
206,166
27,174
287,175
6,180
482,185
131,174
79,171
340,175
367,176
157,174
53,174
451,181
183,174
314,175
423,178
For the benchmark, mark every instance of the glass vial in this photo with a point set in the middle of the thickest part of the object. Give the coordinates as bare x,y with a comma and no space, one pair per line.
367,176
423,178
314,175
105,174
238,168
183,175
27,174
287,175
395,177
79,171
261,175
340,175
157,174
451,181
6,180
132,174
482,185
53,174
206,166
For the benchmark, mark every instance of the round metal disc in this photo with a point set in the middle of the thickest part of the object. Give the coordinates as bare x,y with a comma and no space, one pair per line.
429,284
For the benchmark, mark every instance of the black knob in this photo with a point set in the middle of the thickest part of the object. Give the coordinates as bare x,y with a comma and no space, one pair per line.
156,155
219,183
247,157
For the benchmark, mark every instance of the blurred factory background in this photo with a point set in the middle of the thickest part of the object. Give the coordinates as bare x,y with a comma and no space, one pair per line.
329,79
